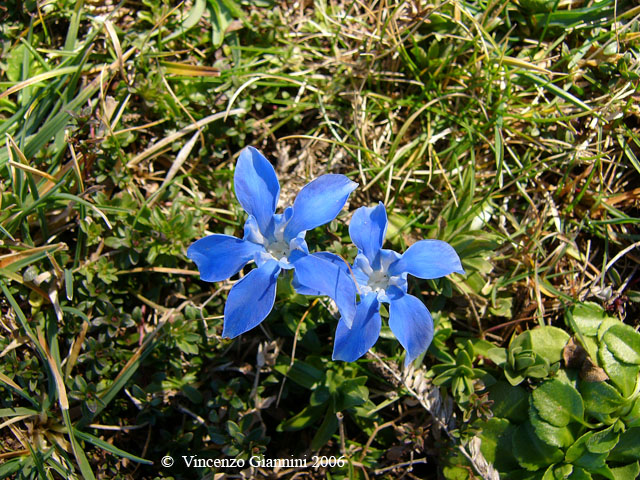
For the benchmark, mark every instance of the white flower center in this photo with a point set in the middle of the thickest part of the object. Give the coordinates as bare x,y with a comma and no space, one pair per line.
279,250
378,280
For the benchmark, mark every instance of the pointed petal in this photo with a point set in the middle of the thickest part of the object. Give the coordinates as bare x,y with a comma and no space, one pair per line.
428,259
250,300
411,323
257,186
318,203
352,343
219,257
319,276
367,230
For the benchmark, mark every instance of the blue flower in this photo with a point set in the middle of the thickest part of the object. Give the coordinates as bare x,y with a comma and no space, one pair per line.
381,276
275,242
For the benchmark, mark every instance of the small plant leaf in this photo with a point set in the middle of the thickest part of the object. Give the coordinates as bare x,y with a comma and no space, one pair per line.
624,342
628,472
603,441
510,402
496,438
325,432
579,454
588,317
531,452
623,376
558,403
550,434
600,397
628,447
548,342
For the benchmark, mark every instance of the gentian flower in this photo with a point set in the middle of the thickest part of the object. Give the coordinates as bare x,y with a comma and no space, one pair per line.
381,276
275,242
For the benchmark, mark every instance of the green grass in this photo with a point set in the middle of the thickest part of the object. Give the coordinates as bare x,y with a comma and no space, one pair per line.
508,129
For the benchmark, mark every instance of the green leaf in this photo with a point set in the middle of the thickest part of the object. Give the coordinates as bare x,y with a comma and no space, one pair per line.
510,402
587,317
220,19
579,454
319,396
558,403
496,355
300,372
579,473
9,467
108,447
557,91
558,472
548,342
235,431
16,411
628,472
550,434
513,377
624,342
632,418
352,394
623,376
303,419
628,448
325,432
600,397
496,442
603,441
531,452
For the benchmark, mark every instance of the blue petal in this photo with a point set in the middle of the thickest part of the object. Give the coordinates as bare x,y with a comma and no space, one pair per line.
218,257
411,323
367,230
320,276
428,259
250,300
257,186
352,343
318,203
331,257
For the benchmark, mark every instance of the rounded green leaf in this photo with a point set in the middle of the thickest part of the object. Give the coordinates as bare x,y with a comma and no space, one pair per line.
624,342
549,434
603,441
531,452
579,454
600,397
623,375
548,342
558,403
588,317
